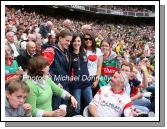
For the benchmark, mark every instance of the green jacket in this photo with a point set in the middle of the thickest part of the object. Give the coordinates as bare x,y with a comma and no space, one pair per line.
40,96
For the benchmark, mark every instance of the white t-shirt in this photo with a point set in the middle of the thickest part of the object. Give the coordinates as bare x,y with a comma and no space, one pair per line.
110,104
93,61
14,49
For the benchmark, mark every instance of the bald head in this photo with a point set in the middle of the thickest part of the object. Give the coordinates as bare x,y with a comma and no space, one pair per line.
86,28
49,24
31,47
67,22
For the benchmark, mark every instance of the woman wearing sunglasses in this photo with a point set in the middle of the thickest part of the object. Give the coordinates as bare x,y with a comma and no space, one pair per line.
95,58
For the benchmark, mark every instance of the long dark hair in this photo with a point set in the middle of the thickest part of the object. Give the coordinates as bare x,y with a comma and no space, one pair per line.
71,49
93,41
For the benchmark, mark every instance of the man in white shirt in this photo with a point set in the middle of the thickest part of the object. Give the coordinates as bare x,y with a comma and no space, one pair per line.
112,101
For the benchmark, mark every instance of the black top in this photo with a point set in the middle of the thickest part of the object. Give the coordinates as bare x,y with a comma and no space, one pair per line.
60,68
79,70
23,59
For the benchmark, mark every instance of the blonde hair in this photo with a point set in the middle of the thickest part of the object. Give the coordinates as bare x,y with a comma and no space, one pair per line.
123,79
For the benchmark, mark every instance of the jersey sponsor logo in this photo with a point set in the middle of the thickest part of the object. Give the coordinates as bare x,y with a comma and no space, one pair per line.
111,105
109,70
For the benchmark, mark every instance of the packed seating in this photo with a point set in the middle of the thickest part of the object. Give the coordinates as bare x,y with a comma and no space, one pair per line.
82,47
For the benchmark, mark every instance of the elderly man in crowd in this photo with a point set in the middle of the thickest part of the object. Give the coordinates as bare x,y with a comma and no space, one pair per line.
14,47
24,57
67,24
85,29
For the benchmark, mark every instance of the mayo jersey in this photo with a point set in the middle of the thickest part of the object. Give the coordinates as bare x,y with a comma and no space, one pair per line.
111,104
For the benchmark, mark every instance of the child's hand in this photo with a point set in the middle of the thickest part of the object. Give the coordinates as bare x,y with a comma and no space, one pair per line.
27,107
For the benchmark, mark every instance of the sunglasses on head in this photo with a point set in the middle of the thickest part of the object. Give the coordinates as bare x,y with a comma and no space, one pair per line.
87,39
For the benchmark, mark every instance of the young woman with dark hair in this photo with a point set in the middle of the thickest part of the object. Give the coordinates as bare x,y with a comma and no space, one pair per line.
80,85
95,59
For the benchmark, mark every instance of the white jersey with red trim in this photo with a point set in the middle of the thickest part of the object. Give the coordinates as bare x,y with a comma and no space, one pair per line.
110,104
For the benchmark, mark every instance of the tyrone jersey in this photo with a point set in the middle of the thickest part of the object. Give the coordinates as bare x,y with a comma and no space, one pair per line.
110,104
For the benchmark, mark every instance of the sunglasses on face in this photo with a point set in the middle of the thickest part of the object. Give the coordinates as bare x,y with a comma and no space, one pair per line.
87,39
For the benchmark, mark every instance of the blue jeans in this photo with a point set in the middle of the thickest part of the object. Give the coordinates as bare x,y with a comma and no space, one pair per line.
142,102
56,101
86,93
151,89
141,108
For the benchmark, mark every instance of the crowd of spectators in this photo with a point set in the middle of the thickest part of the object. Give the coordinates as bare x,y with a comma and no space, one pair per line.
123,8
28,34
